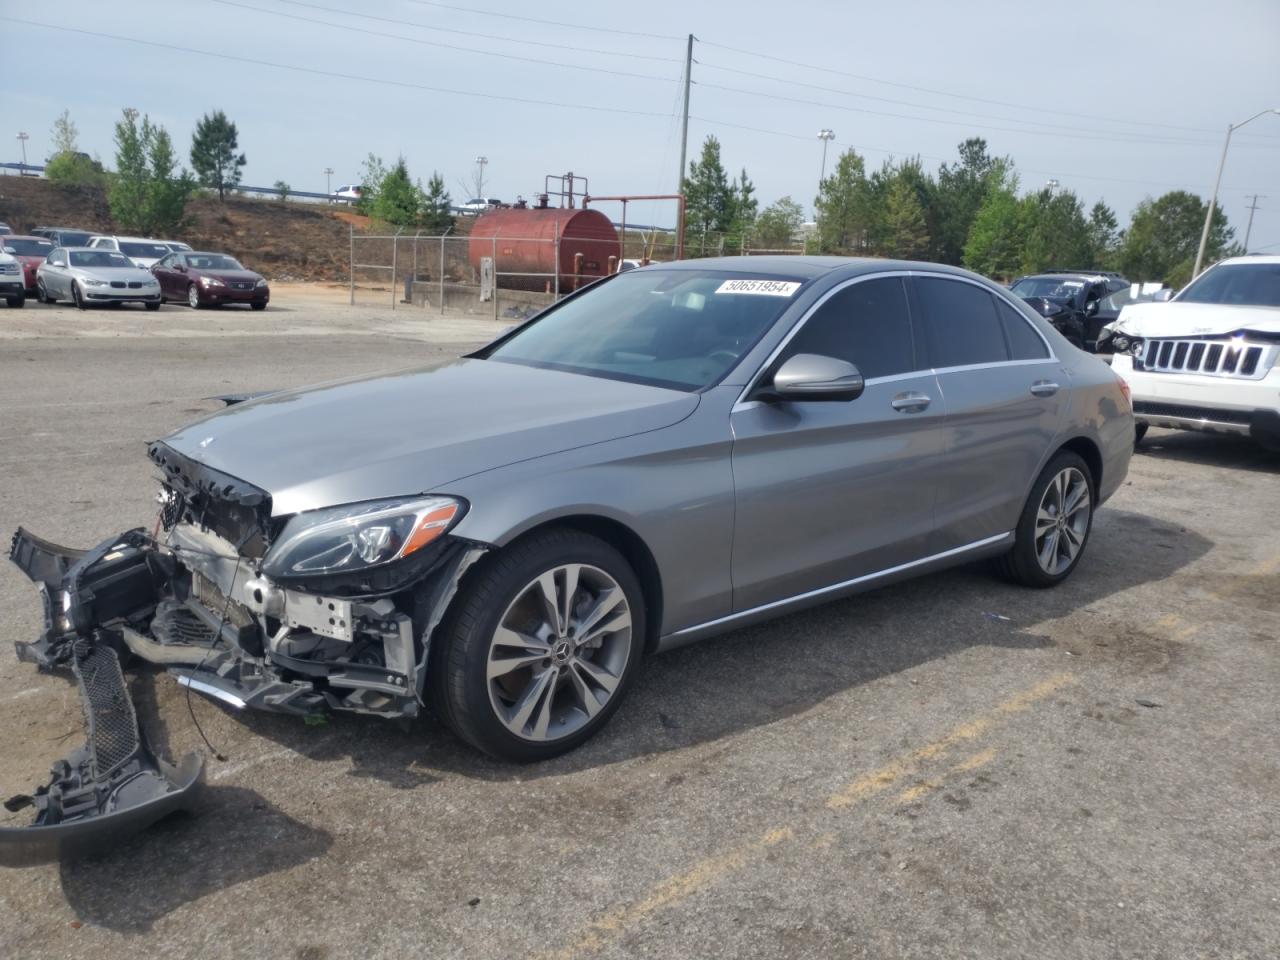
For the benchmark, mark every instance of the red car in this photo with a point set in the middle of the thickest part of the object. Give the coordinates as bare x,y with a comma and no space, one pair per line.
30,252
202,279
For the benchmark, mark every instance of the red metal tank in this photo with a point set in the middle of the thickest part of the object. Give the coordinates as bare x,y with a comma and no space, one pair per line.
525,240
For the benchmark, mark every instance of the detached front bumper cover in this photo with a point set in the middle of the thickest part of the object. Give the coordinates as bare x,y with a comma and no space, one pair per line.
113,786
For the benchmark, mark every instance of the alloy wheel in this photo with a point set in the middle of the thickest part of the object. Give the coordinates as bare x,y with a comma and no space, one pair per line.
1062,521
559,652
193,296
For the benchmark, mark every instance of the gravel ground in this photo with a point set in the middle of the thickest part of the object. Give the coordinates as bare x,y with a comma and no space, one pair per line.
952,767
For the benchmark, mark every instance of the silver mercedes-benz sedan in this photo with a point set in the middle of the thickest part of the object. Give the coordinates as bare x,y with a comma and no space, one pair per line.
87,276
667,454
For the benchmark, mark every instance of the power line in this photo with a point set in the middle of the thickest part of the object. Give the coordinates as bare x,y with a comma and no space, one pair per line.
315,71
446,46
906,103
954,123
946,93
548,23
524,41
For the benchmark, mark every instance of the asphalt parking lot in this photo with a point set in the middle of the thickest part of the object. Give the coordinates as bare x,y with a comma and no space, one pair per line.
952,767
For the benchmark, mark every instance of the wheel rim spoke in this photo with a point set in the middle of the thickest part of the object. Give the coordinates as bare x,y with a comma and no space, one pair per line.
1049,553
541,684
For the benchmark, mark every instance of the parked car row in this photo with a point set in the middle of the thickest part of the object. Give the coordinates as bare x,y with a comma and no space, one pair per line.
63,263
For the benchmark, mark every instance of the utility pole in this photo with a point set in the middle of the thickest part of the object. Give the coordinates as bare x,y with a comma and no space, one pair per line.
684,130
22,139
826,136
1249,228
481,162
328,189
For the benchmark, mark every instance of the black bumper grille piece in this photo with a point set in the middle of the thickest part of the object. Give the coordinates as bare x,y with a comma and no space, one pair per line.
110,723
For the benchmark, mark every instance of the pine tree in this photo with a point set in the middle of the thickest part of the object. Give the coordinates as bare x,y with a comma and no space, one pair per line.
708,196
435,205
907,233
213,153
843,206
397,199
129,188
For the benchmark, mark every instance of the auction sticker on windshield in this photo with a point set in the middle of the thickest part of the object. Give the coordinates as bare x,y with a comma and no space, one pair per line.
760,288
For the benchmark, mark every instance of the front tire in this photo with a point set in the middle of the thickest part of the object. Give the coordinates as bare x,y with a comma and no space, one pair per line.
258,305
42,295
153,307
1055,524
193,297
16,303
78,297
1139,431
540,646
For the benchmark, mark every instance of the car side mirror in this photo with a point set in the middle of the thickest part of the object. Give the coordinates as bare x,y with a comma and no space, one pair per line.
10,249
811,376
1162,296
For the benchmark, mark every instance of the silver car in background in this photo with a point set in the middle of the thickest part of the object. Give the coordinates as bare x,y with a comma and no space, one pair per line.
88,276
666,454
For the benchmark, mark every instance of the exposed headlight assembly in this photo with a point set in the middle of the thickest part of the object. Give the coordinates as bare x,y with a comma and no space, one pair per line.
359,536
211,282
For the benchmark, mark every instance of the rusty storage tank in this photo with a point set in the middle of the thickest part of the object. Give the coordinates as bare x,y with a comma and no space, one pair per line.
525,239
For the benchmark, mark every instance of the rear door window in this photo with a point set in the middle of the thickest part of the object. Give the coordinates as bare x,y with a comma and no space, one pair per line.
866,323
959,321
1024,342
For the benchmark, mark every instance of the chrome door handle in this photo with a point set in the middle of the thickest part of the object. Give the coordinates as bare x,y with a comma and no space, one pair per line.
910,402
1044,388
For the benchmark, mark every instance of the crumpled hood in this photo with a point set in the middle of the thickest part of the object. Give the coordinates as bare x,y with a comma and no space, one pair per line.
1175,319
416,430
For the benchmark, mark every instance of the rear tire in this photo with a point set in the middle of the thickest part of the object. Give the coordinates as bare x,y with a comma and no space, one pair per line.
498,619
1056,521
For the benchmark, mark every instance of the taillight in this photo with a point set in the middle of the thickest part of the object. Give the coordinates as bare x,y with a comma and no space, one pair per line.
1124,389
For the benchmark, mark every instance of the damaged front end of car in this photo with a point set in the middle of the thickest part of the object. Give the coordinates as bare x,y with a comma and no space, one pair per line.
327,610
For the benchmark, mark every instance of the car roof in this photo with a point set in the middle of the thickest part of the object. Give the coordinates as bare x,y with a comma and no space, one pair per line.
808,267
26,236
1252,258
205,253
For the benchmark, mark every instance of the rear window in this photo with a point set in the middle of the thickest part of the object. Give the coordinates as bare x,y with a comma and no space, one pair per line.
73,238
29,248
1024,342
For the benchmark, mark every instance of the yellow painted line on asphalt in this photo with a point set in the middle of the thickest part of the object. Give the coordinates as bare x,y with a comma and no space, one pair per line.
872,783
701,875
709,871
976,762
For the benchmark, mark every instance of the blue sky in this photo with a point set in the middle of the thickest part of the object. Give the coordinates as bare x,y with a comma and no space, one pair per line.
1115,100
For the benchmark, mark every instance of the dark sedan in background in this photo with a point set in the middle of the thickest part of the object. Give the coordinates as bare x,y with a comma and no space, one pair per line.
202,279
1072,300
64,236
30,252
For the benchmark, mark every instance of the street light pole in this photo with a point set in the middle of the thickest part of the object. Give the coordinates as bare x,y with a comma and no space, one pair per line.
1213,201
22,139
826,136
328,190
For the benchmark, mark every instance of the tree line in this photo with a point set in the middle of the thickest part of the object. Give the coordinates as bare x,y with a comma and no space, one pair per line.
969,213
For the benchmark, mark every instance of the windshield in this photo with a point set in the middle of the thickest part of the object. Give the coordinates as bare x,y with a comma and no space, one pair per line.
29,248
1237,284
99,258
212,261
683,329
148,251
1053,287
175,246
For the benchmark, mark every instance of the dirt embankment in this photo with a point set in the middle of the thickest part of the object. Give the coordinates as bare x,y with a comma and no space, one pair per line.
280,240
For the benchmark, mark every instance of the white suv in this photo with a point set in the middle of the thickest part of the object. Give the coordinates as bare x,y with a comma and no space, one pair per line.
1209,358
144,252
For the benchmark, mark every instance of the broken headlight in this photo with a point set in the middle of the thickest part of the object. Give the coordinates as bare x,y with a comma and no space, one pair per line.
358,536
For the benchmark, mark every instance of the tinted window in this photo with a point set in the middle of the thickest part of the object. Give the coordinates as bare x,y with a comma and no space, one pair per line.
145,250
960,323
1024,342
99,258
29,248
70,238
673,328
867,324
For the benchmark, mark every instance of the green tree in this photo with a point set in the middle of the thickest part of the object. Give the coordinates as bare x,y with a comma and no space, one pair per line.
67,166
282,190
906,232
1055,232
962,189
778,224
709,202
397,198
1104,236
1163,235
743,207
375,171
996,239
435,205
168,188
130,185
843,206
213,153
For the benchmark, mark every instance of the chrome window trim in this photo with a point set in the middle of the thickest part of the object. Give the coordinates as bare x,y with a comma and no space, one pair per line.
866,577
